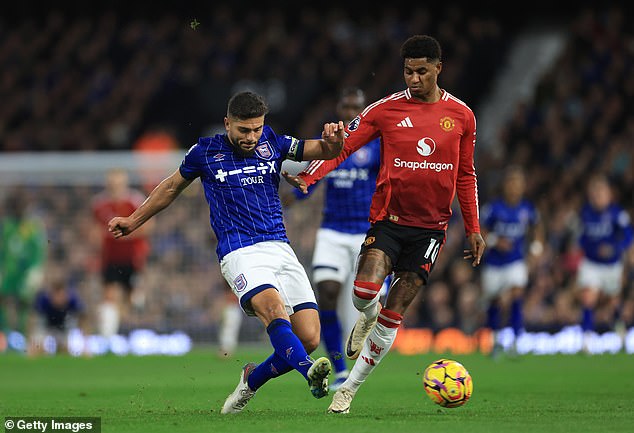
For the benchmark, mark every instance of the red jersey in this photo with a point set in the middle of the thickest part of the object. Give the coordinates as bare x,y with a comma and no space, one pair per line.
426,157
127,250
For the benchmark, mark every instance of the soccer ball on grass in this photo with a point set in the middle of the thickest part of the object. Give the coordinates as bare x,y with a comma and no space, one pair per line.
447,383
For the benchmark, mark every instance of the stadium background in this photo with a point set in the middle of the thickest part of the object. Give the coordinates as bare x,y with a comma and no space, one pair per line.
86,88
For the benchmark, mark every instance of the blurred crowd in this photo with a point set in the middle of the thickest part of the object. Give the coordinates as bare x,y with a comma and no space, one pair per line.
108,77
101,82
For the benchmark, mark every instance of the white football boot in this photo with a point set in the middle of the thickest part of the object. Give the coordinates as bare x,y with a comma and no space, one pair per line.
341,401
239,398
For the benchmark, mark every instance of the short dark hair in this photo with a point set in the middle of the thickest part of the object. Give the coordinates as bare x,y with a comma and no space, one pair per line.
246,105
420,46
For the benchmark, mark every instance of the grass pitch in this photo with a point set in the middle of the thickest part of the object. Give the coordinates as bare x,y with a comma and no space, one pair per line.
562,393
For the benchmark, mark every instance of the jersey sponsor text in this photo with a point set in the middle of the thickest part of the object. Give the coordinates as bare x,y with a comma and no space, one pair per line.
423,165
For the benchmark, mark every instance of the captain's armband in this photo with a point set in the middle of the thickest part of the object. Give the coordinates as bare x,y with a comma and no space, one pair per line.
296,150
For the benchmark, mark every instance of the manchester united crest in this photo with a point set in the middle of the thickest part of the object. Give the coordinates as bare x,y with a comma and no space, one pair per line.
447,124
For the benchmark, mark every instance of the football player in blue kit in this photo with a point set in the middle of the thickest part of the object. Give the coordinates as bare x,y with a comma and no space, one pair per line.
240,172
605,234
513,231
347,198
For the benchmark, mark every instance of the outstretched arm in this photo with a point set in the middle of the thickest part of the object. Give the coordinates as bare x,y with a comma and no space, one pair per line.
329,146
364,131
160,198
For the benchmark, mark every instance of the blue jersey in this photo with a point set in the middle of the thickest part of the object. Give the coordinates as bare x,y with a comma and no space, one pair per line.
242,192
609,229
349,190
56,316
512,222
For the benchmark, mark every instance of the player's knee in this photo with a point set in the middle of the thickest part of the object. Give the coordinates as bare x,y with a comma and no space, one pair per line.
311,343
267,314
268,306
327,303
589,297
517,292
328,294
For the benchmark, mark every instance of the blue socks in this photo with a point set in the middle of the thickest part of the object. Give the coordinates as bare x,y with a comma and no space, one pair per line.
331,334
517,318
587,320
288,350
271,368
493,317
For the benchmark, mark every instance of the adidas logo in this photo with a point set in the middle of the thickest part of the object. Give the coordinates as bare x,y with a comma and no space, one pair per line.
405,123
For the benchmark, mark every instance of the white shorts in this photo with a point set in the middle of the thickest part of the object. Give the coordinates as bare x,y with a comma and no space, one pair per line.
497,279
252,269
607,278
335,259
335,255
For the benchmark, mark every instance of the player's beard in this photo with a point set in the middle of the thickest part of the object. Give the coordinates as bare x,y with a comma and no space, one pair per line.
243,152
419,92
240,151
425,93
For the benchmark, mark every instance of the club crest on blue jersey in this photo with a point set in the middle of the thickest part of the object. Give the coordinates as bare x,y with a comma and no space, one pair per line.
264,151
240,283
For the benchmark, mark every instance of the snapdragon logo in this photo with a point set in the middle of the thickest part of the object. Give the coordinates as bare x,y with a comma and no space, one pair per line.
423,165
425,147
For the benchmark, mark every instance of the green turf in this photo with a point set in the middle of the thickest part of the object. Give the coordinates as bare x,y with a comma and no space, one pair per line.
565,393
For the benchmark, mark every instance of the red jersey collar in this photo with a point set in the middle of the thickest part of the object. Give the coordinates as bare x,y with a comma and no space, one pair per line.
408,95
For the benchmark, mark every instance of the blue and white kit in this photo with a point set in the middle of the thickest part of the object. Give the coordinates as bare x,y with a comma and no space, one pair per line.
605,236
504,269
245,213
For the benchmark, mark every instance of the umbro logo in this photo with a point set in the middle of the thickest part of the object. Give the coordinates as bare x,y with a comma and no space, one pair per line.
405,123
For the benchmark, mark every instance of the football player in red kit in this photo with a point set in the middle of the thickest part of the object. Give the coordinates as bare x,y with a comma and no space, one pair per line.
427,146
122,260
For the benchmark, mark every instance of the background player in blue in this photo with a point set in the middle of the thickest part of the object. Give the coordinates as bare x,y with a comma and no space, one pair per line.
240,173
58,310
605,234
511,223
348,194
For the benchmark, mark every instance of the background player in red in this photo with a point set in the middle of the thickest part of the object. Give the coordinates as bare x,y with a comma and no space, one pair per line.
121,259
427,146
